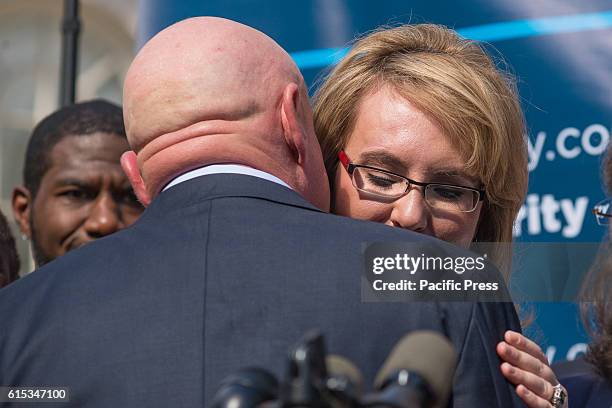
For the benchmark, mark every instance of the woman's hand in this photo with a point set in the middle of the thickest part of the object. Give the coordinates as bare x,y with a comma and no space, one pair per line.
526,366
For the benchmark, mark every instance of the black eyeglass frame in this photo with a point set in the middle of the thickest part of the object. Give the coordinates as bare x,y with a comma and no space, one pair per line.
350,168
602,218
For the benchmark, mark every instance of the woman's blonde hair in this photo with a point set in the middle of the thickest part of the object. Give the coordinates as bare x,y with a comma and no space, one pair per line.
596,294
455,82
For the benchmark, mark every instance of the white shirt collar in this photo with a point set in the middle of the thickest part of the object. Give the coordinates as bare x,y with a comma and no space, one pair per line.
225,169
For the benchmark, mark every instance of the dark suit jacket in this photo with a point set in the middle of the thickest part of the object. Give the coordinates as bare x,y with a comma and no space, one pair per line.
223,272
585,387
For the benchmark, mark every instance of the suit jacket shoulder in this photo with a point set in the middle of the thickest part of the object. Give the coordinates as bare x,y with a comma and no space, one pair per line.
223,272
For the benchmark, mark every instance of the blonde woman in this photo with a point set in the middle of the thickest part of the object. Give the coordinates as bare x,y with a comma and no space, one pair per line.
420,130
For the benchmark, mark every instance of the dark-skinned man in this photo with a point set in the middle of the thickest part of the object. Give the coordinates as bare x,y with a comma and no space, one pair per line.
74,189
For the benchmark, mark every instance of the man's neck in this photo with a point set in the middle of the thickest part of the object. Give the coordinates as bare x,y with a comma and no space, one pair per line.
225,168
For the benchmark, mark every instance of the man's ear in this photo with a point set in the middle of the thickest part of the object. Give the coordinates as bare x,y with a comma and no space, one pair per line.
22,202
291,121
129,164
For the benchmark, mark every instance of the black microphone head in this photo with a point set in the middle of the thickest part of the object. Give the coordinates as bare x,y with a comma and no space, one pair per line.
248,387
343,376
306,373
428,354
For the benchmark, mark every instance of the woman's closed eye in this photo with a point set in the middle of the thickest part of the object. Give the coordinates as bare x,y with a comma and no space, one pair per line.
381,181
449,193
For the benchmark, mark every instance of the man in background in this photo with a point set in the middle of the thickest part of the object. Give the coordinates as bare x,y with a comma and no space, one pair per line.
74,190
9,259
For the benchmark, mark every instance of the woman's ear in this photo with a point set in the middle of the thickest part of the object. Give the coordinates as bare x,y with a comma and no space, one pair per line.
484,209
291,121
129,164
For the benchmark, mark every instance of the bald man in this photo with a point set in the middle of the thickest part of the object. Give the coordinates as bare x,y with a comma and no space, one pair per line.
235,257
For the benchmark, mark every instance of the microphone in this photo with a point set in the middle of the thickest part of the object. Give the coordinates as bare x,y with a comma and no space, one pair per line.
344,381
417,374
246,388
304,384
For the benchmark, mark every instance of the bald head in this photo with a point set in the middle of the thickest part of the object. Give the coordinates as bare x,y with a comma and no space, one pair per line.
200,69
209,90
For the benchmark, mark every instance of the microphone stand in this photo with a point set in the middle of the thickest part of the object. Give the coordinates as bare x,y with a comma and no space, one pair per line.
71,27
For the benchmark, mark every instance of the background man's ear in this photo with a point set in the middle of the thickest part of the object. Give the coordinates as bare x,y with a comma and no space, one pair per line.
291,121
22,202
129,164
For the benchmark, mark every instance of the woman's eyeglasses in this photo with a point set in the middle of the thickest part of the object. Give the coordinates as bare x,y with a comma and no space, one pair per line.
385,184
603,212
